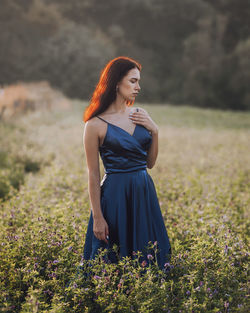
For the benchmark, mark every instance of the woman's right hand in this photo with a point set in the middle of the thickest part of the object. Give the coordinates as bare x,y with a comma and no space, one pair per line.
100,228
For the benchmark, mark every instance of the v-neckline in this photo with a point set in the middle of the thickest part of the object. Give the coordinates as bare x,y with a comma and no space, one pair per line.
124,129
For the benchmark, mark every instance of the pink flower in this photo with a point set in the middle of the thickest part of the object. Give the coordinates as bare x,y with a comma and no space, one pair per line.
144,263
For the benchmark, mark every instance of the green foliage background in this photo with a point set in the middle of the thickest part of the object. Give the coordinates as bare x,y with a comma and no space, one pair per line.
193,52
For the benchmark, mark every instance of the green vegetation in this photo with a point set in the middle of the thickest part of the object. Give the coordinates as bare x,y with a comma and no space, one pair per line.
16,158
202,179
193,52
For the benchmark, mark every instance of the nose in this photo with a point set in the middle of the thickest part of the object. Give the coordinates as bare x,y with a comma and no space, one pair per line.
138,88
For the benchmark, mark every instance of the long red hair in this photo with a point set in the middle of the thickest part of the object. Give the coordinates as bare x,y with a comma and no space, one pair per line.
105,91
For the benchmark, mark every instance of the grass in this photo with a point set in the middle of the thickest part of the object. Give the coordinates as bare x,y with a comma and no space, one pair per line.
202,181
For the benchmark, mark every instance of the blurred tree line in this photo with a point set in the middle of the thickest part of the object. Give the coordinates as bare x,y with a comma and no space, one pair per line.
192,51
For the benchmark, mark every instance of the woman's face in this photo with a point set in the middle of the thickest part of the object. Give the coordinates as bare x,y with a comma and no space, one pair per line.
129,86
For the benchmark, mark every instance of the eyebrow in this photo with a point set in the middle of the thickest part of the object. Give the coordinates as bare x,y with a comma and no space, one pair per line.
134,78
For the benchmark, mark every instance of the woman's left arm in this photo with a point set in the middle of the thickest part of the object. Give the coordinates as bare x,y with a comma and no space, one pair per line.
142,117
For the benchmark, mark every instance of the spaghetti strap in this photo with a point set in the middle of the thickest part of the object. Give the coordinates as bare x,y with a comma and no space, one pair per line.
102,119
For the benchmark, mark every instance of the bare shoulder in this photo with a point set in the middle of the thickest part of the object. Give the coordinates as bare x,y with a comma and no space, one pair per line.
91,129
92,125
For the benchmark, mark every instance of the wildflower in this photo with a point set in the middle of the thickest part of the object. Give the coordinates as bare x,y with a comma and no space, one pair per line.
155,243
188,293
201,283
150,257
55,261
166,264
144,263
226,304
96,277
226,249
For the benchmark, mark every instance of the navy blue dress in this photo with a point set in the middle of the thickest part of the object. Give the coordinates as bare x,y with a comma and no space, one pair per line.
129,200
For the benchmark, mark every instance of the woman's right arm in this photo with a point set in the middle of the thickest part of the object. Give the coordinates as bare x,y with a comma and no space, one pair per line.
91,146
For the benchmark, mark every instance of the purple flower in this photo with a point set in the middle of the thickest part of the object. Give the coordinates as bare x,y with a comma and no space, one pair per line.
97,277
188,292
150,257
166,264
226,249
55,261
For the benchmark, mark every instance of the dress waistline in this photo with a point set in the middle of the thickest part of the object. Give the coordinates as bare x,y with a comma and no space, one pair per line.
128,171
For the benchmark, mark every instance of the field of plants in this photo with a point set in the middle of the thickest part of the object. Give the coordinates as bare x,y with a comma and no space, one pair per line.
202,178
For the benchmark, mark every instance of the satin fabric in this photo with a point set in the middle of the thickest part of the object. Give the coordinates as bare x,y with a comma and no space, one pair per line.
129,201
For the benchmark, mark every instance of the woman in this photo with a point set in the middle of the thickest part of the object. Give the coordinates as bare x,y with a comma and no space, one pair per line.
124,207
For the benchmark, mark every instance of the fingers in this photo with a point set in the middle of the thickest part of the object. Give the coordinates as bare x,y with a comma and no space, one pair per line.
138,115
102,235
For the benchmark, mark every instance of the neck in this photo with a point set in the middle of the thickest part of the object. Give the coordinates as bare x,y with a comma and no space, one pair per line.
119,105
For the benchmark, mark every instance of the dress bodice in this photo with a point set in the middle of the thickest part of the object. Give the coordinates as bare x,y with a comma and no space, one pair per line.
123,152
